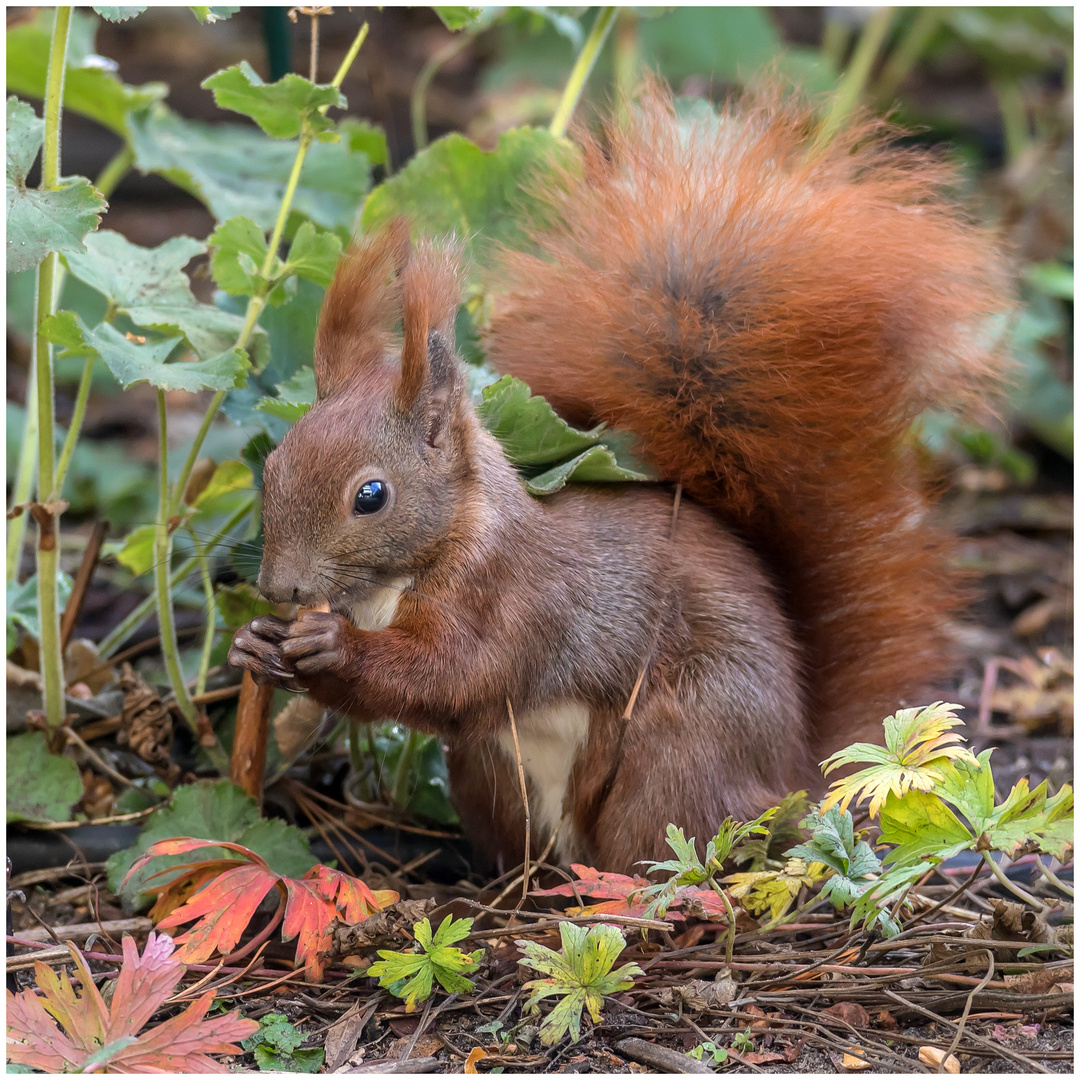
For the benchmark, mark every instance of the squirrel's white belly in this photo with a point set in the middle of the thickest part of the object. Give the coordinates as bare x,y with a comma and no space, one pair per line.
551,739
377,611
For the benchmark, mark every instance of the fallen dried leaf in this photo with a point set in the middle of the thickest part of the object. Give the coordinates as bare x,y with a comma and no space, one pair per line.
475,1054
850,1061
935,1057
851,1012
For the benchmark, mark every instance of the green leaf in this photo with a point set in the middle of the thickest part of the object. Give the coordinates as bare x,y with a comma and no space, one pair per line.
581,975
132,362
238,171
276,1046
455,187
295,397
235,237
314,254
42,221
40,786
1029,817
457,18
215,810
921,826
1053,278
135,551
970,788
365,137
282,108
411,975
239,604
118,14
213,14
230,476
529,429
149,286
91,87
22,606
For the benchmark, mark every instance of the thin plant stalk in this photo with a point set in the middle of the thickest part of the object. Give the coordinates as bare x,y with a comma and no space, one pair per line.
418,100
24,479
858,73
131,622
582,69
403,778
211,612
1015,889
170,506
907,52
48,547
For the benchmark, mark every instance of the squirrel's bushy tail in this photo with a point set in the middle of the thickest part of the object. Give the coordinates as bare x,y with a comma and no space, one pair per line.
768,318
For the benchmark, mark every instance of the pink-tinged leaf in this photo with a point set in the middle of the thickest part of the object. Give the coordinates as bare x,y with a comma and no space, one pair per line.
307,915
352,898
33,1037
619,890
178,845
702,904
143,985
89,1043
84,1016
180,889
224,908
181,1044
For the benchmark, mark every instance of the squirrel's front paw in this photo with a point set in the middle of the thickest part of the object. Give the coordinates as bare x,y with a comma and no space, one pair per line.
318,644
256,647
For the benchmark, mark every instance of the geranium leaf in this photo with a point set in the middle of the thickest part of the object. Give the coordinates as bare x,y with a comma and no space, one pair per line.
412,975
41,786
91,86
235,237
294,397
314,254
149,286
281,108
240,172
42,221
118,14
919,824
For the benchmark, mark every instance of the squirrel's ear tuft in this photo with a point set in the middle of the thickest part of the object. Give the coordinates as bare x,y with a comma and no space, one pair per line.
358,312
430,292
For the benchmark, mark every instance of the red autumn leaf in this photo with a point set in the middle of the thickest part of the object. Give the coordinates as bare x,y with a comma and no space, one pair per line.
222,895
224,907
100,1037
701,904
620,890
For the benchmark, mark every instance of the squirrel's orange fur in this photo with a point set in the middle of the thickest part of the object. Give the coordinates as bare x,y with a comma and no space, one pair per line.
768,318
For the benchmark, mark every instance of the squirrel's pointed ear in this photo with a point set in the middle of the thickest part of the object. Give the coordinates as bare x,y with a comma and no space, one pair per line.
358,311
430,290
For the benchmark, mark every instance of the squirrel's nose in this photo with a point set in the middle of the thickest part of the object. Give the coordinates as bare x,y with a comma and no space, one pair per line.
282,587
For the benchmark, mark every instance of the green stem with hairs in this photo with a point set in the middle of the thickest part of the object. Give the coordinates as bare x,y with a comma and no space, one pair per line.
403,778
106,183
48,546
855,78
211,611
582,69
1015,889
170,505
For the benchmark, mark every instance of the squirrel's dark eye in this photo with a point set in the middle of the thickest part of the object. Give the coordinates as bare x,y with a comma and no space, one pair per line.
371,497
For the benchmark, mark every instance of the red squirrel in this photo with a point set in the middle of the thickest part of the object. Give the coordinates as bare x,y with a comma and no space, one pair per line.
767,314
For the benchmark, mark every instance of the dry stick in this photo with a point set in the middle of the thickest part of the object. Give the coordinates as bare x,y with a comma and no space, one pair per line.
525,801
998,1048
967,1009
248,765
521,877
82,582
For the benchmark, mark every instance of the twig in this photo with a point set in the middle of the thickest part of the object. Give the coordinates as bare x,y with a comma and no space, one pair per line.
96,758
660,1058
967,1007
81,584
521,877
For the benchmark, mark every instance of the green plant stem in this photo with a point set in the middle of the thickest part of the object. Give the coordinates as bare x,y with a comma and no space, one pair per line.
856,76
1015,889
834,42
162,533
122,630
729,937
1054,879
24,478
906,54
211,611
1014,118
48,547
403,777
106,183
418,100
258,302
582,68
